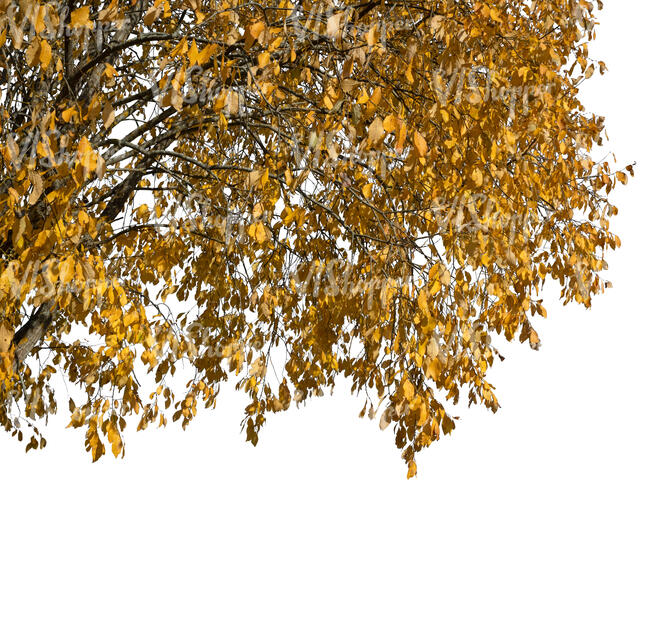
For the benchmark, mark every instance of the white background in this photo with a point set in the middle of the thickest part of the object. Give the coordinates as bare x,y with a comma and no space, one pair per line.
535,517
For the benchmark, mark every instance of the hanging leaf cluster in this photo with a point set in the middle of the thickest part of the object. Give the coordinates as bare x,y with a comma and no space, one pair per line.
285,193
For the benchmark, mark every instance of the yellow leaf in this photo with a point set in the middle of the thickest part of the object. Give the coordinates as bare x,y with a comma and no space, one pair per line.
180,49
256,29
391,123
18,232
409,390
37,189
152,14
384,420
263,58
334,26
67,269
193,53
6,336
108,115
206,53
258,232
376,132
375,99
79,18
420,144
363,98
232,102
434,366
409,73
109,71
114,438
413,469
67,114
371,36
401,138
533,339
32,52
423,302
46,54
130,318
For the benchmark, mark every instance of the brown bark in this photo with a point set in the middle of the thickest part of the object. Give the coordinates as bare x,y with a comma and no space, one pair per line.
33,330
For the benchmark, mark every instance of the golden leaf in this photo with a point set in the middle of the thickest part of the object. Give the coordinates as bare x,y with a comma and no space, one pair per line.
256,29
391,123
80,18
67,270
376,132
263,58
45,54
413,469
334,25
420,144
258,232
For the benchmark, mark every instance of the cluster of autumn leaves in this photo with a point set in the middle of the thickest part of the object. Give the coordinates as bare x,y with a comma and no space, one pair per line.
326,129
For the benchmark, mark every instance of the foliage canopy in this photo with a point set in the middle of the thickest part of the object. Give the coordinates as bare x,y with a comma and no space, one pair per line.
288,192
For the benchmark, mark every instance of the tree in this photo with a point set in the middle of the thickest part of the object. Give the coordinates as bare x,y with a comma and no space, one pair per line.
290,192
